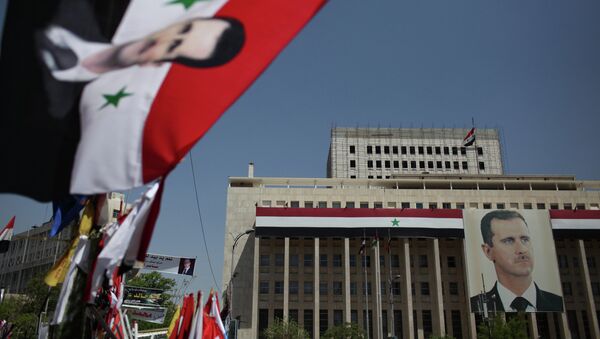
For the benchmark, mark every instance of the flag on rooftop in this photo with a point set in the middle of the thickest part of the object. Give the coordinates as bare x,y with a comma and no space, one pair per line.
6,235
469,138
106,108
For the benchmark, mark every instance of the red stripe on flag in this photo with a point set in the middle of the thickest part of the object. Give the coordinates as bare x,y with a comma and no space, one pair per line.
574,214
191,100
358,212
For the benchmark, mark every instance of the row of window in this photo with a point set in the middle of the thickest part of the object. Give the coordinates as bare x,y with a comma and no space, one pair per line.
265,260
563,262
438,150
413,164
337,288
445,205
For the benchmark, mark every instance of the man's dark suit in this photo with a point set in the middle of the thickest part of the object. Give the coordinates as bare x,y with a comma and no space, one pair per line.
546,301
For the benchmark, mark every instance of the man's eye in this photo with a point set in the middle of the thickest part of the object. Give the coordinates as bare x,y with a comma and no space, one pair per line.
174,45
186,28
507,241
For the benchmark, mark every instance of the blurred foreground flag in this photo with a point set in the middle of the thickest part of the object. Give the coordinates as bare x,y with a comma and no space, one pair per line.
6,235
90,106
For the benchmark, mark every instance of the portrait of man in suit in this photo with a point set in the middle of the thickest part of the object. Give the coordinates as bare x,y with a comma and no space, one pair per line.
508,245
186,266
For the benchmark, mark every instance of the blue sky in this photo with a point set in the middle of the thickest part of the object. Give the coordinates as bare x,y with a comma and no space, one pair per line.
530,68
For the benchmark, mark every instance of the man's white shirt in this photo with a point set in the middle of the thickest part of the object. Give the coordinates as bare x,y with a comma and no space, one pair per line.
507,297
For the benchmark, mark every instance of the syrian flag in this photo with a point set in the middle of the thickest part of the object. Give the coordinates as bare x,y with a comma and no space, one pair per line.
363,246
469,138
106,108
6,235
213,326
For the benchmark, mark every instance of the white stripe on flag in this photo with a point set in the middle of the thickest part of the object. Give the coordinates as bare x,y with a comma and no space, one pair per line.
575,224
318,222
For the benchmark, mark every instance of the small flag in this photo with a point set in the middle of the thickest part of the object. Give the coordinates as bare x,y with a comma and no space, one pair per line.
65,211
197,322
363,245
470,138
174,321
375,242
6,235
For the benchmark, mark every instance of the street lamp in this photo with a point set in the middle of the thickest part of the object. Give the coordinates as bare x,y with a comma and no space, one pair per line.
230,287
392,303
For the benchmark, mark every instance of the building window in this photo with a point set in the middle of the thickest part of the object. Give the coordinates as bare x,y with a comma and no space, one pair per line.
294,260
378,204
352,163
323,288
395,260
337,288
424,288
382,261
438,164
429,150
567,206
405,205
264,260
413,164
453,287
567,288
447,164
456,165
580,206
430,164
465,165
591,262
541,206
352,260
352,149
308,260
421,151
454,150
403,149
278,259
456,324
411,149
293,314
366,260
378,163
396,164
279,287
338,317
421,164
500,206
427,323
323,318
451,261
487,205
395,149
386,149
433,205
563,261
322,204
308,204
337,260
527,206
323,260
264,287
293,287
369,163
377,149
388,164
263,319
396,288
364,204
308,287
404,164
596,288
419,205
446,150
481,166
479,151
367,288
446,205
308,322
353,288
423,261
463,151
336,204
295,204
369,149
553,206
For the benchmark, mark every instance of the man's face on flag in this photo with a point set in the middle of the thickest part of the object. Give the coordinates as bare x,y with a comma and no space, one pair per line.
193,39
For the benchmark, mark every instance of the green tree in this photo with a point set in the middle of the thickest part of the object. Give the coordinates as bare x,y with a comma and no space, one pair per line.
344,331
285,330
497,328
156,280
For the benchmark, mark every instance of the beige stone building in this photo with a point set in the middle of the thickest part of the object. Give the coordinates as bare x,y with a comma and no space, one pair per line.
316,277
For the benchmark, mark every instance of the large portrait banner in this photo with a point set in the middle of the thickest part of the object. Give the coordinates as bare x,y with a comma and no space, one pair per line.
511,261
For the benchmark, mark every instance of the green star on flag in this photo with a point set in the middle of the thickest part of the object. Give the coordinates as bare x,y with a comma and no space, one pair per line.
114,99
185,3
395,222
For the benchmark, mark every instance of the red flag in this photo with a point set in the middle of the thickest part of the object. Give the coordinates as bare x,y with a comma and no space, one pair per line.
469,138
212,325
6,235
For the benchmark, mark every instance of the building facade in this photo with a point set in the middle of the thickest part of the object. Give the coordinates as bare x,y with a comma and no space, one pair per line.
34,252
380,153
418,287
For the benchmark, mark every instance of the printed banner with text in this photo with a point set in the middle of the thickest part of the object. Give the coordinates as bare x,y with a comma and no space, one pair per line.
170,264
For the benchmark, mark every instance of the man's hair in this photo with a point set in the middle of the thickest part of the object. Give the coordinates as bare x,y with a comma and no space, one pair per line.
486,223
229,45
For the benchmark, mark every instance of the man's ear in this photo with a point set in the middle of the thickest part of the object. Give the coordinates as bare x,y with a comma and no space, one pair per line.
487,251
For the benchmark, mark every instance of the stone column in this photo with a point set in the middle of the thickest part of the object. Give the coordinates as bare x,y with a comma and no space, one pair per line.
286,278
347,300
316,293
377,326
471,324
255,288
590,305
438,298
532,323
407,311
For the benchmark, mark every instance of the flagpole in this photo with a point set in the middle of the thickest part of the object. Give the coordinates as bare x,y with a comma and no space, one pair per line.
475,144
389,252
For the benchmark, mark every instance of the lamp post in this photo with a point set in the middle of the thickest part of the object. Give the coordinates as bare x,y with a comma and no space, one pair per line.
392,279
230,287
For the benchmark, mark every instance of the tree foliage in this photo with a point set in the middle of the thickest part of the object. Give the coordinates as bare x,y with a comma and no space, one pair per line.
281,329
497,328
345,331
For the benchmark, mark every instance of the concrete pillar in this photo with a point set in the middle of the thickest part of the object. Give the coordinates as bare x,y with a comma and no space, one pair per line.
438,298
286,278
471,324
378,318
407,311
347,300
590,305
532,323
255,288
316,293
